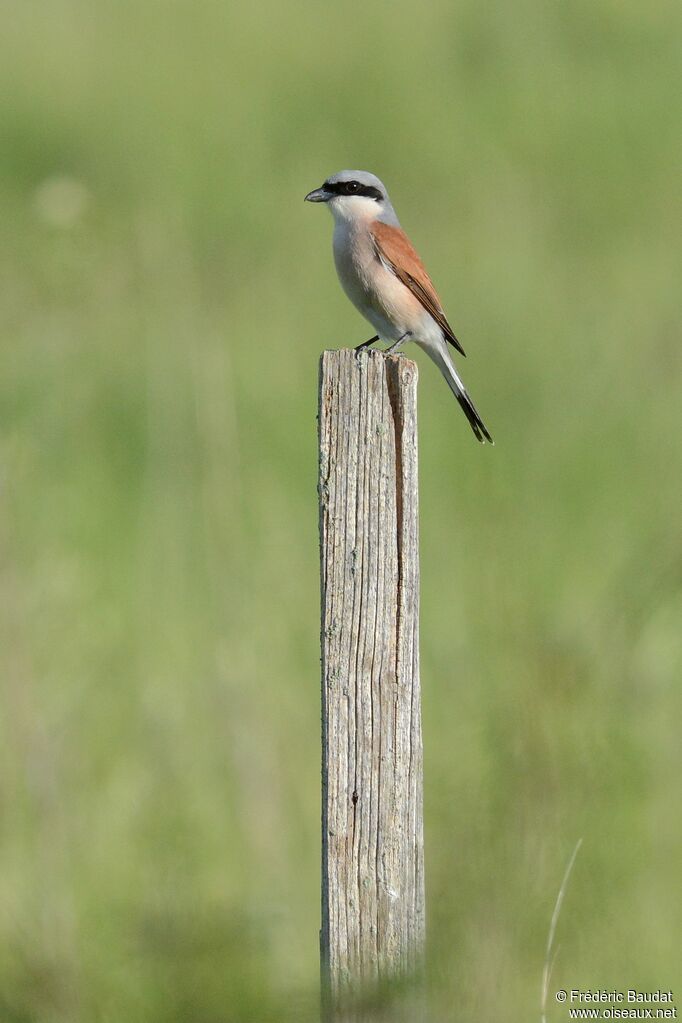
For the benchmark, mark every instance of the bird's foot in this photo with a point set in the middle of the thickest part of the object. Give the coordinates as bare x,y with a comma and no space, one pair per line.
397,344
365,344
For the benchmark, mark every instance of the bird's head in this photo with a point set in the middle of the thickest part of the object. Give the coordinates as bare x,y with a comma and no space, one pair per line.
354,195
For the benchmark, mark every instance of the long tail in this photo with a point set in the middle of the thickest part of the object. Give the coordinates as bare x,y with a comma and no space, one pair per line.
441,357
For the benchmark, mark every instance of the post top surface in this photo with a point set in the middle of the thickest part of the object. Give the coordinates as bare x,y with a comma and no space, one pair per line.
369,354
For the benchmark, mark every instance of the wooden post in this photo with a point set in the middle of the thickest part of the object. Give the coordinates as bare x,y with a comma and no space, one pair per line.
372,828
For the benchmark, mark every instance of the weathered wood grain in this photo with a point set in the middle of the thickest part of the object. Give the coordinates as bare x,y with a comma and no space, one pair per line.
372,832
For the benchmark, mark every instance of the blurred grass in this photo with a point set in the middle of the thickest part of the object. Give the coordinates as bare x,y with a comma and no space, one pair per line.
165,298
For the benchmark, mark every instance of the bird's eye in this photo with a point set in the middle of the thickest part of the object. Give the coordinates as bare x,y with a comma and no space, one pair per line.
353,186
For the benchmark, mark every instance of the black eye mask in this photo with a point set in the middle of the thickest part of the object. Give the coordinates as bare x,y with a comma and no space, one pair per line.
352,188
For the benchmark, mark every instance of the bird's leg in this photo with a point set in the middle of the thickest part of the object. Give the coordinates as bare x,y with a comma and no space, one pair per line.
358,348
396,344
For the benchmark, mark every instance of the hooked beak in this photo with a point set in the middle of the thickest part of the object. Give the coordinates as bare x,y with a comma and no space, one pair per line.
318,195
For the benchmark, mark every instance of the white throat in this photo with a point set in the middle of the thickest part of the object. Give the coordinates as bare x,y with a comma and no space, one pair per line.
354,209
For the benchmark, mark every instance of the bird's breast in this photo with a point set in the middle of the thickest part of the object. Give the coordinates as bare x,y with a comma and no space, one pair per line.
372,288
353,256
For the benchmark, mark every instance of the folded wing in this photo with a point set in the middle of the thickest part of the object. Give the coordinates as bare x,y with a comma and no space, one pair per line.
395,250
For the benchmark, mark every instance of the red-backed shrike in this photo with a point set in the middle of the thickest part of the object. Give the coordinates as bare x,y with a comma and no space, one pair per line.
385,279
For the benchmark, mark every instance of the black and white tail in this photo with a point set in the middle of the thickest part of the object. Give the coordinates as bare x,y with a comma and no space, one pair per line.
441,357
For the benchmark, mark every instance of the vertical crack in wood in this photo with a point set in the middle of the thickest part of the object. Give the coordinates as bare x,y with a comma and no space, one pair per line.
393,385
323,415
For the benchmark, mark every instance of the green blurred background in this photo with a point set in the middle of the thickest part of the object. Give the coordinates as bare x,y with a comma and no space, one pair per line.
166,295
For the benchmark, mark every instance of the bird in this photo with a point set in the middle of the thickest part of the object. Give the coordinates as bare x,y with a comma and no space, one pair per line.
385,279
